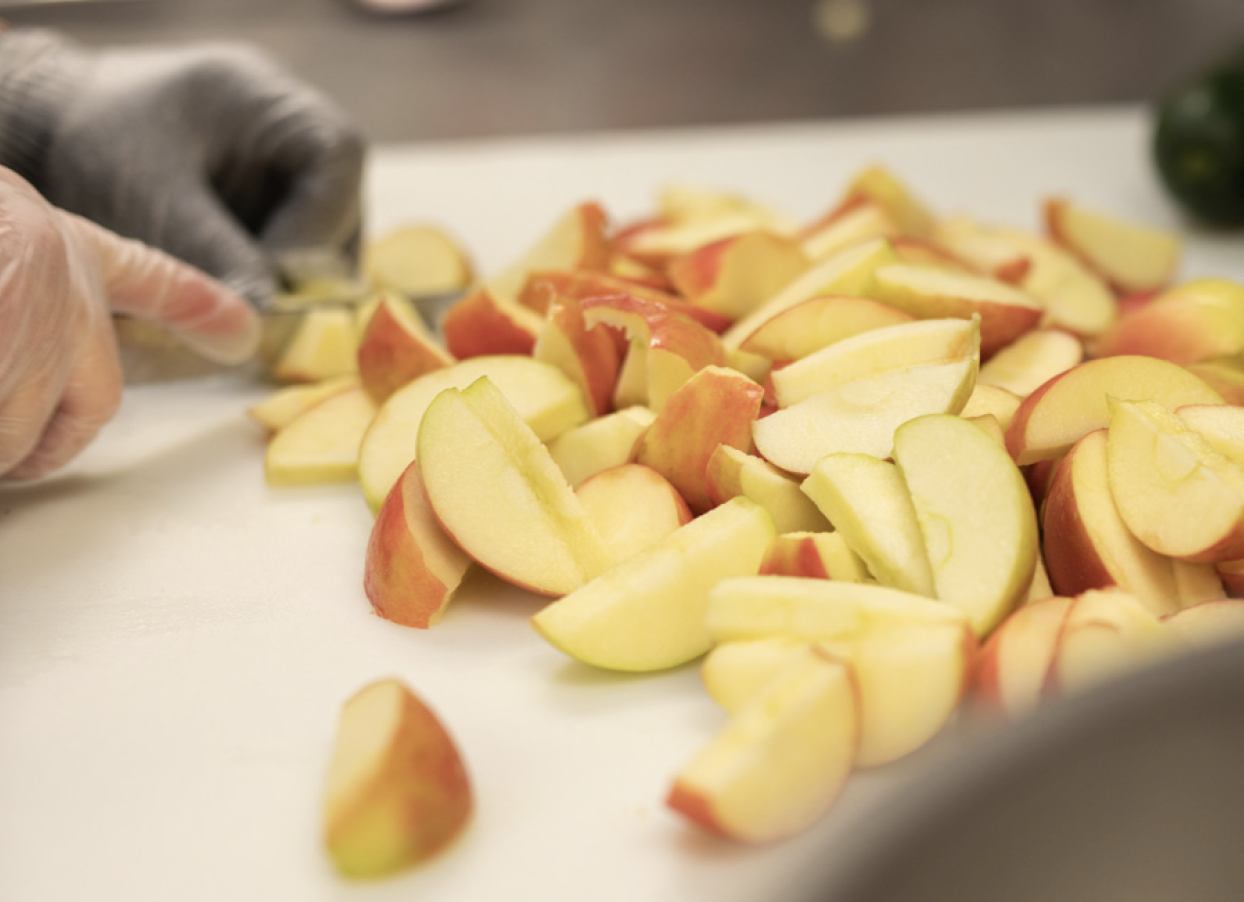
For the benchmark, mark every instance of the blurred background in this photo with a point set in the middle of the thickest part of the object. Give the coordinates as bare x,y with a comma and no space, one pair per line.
480,68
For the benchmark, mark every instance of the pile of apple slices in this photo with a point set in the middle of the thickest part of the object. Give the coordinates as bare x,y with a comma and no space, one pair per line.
860,469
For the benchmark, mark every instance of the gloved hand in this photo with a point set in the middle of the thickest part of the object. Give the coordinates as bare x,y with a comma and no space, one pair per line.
60,278
208,151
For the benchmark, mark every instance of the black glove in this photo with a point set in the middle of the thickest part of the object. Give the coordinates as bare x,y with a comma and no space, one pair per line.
210,152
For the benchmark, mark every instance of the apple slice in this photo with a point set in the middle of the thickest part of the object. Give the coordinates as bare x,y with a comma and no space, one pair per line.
781,761
1222,425
861,415
647,613
881,186
1031,360
929,292
817,322
322,444
498,494
633,507
975,513
877,351
1014,663
396,347
1131,257
1074,403
600,443
1193,322
845,225
588,355
731,471
1225,376
578,239
581,284
398,791
735,672
323,345
997,404
412,569
715,406
735,274
869,505
1176,494
1208,623
817,555
483,324
417,260
549,402
288,402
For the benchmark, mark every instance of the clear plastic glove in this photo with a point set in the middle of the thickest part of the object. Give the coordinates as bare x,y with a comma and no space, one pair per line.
210,152
60,279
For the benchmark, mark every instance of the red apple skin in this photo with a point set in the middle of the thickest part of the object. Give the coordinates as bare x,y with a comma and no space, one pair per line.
398,576
797,557
670,328
586,284
991,658
478,325
389,355
596,348
1073,564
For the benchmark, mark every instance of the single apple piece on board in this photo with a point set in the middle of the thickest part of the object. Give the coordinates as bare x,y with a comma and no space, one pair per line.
848,223
781,760
500,497
929,292
665,349
733,275
1074,403
322,444
869,505
416,260
324,344
648,612
600,443
545,397
1222,425
817,322
1208,623
848,272
482,324
633,507
993,402
580,284
860,416
588,355
288,402
1190,323
877,351
412,569
1176,494
975,513
1072,296
716,406
1086,543
578,239
731,471
1132,258
398,791
1031,360
816,555
396,347
1014,663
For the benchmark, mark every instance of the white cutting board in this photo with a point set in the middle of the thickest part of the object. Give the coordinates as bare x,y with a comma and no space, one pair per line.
176,637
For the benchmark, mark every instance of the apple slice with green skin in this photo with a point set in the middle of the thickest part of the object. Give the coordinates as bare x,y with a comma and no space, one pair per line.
1074,403
1131,257
781,761
817,555
733,275
1175,493
412,569
817,322
1189,323
578,239
500,497
860,416
600,443
588,355
633,507
874,352
321,444
716,406
869,505
549,402
975,513
288,402
395,348
482,324
398,791
1222,425
647,613
416,260
1031,360
324,345
732,471
1014,663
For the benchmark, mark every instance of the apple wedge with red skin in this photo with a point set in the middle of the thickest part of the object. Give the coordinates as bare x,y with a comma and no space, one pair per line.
289,402
716,406
1132,258
781,760
398,791
1074,403
816,555
1014,662
582,284
732,471
1192,322
633,507
322,443
648,612
396,347
817,322
578,239
482,324
412,569
735,274
589,355
497,493
1208,623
